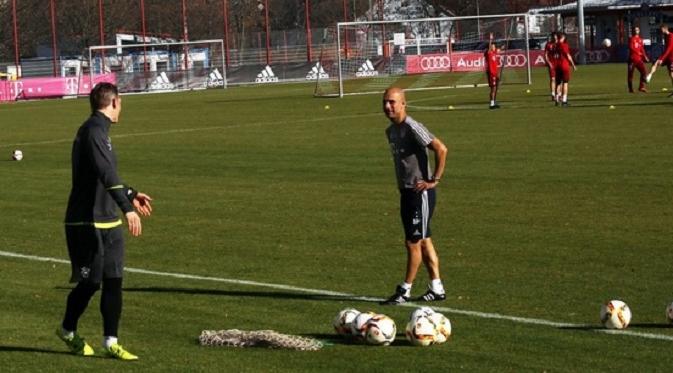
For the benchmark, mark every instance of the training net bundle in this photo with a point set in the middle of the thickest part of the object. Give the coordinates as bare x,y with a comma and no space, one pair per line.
258,338
369,56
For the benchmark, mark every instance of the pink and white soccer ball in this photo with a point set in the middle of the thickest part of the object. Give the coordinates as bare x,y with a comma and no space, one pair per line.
615,314
343,320
380,330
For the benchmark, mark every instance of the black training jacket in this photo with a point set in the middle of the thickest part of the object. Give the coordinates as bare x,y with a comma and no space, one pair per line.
97,190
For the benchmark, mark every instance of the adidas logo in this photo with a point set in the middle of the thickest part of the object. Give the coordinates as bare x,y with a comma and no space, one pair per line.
162,82
317,72
215,79
266,76
367,69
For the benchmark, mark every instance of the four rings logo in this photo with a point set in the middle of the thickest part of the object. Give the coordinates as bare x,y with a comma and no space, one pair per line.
513,60
434,63
595,56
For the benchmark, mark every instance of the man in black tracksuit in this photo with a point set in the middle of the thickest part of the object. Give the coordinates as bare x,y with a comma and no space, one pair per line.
93,228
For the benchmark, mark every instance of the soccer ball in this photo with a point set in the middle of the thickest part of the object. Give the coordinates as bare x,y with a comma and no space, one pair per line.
17,155
422,311
380,330
358,328
421,331
669,312
607,43
342,321
442,327
615,314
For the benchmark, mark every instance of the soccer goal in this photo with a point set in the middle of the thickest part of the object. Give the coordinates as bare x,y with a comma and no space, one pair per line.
157,67
417,54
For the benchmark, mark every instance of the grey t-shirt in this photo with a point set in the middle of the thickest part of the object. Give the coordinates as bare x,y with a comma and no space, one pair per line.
409,142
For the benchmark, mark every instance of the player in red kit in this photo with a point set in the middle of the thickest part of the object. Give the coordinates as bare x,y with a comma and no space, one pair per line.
637,59
563,63
666,58
550,59
492,59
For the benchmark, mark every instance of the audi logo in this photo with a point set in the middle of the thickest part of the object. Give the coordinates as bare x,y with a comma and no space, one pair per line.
513,60
432,63
595,56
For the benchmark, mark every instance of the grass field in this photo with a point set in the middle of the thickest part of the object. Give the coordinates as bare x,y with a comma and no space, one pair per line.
543,214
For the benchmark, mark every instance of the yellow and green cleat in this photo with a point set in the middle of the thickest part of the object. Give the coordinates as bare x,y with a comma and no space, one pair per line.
76,344
118,352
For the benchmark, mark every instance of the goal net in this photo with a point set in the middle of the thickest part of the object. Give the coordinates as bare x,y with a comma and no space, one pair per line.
431,53
156,67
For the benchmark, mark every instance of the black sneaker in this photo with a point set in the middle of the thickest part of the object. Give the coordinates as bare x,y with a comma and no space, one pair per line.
398,298
496,106
431,296
565,104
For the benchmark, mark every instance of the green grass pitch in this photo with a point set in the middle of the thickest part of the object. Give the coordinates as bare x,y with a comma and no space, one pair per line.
543,213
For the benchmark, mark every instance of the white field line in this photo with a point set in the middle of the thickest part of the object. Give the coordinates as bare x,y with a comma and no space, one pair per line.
199,129
485,315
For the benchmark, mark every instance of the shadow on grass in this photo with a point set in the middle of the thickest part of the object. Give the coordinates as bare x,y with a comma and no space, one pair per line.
256,294
579,104
651,325
631,326
33,349
334,339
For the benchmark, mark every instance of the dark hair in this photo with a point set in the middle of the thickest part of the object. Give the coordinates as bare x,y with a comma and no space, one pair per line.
102,95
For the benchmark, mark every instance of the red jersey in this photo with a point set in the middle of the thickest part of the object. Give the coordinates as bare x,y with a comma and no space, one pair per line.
563,51
491,61
550,52
668,53
636,49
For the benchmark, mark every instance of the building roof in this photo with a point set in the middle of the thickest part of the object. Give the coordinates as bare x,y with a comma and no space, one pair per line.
602,5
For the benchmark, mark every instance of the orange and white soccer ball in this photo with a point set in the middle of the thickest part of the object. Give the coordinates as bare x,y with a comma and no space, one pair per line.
358,325
17,155
442,326
607,43
615,314
343,320
421,331
380,330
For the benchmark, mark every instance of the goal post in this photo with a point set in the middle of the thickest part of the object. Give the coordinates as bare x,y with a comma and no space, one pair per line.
421,54
161,67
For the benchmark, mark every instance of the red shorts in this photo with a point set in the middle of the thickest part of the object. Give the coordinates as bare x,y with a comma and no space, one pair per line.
562,74
552,71
492,79
668,63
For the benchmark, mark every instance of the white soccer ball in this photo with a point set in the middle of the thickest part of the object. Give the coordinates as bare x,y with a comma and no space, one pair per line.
421,331
669,312
607,43
17,155
615,314
342,321
422,311
380,330
442,327
358,325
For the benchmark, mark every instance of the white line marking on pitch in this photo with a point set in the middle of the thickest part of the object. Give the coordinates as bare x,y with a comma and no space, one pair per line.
199,129
485,315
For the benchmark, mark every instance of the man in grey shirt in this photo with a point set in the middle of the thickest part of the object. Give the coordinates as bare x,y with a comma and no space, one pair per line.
409,143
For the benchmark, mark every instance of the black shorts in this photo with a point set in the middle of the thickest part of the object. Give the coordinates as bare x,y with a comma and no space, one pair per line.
95,253
416,209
